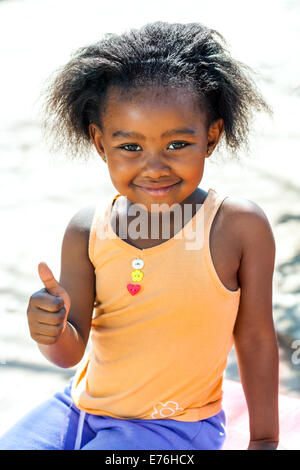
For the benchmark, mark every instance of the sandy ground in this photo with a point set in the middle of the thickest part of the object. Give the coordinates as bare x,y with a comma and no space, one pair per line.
40,193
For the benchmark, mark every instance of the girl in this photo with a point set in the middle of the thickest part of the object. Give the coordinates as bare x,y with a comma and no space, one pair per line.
163,310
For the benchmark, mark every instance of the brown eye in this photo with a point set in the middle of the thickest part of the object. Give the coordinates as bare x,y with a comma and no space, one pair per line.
128,145
179,143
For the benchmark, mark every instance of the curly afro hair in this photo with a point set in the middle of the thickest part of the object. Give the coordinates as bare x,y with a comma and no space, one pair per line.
191,56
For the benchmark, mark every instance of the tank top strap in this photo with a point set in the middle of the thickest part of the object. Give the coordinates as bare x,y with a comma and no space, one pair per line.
210,210
95,230
99,226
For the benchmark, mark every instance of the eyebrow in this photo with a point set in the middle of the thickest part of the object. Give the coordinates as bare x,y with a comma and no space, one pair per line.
181,130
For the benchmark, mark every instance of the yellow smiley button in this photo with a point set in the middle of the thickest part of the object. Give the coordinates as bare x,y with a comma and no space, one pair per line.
137,275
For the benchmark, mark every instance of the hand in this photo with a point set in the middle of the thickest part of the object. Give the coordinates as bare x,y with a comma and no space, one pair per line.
48,309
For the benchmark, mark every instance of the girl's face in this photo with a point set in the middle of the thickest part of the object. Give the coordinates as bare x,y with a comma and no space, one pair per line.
155,140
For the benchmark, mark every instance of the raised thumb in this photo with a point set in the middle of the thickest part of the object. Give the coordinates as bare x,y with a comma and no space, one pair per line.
49,281
53,287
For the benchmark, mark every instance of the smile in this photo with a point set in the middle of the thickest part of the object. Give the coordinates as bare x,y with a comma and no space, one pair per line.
158,191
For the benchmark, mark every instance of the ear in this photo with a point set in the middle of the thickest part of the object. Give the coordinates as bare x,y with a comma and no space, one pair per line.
215,132
96,137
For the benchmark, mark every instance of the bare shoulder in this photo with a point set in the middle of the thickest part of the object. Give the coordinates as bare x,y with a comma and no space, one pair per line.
76,237
81,221
248,221
243,211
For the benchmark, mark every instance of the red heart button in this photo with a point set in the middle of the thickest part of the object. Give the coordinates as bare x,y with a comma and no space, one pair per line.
133,288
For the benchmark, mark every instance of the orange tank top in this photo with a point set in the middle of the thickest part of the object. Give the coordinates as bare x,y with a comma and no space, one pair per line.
160,352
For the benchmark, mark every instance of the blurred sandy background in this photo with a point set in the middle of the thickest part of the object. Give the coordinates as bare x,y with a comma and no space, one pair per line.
41,192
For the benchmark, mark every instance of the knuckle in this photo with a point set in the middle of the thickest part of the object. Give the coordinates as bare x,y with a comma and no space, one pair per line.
59,316
31,303
56,330
57,303
34,336
36,298
30,314
61,326
35,295
61,313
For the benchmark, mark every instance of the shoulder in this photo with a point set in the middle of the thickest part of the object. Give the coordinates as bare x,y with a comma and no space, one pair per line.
81,221
248,221
243,208
76,237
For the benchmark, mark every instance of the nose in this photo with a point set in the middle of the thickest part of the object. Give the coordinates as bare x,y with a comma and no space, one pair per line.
154,167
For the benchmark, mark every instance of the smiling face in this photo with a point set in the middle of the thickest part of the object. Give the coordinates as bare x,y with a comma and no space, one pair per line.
154,139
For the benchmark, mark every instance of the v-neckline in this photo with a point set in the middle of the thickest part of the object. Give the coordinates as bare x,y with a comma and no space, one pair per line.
161,246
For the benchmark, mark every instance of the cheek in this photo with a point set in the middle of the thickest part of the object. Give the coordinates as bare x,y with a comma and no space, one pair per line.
120,169
121,176
122,165
194,167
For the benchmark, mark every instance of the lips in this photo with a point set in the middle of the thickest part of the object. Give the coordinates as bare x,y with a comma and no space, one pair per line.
156,185
158,190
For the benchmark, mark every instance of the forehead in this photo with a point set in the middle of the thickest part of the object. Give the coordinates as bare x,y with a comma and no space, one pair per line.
143,103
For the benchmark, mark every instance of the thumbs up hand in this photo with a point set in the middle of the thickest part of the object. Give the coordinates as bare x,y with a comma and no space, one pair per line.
48,308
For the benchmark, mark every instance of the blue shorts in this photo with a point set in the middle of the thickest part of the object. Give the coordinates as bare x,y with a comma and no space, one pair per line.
57,424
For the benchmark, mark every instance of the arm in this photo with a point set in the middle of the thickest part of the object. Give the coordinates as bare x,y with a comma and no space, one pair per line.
78,279
254,334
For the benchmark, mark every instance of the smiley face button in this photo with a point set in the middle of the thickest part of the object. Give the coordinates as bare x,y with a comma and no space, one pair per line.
137,275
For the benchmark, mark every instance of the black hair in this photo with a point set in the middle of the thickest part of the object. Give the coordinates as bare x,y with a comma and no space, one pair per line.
158,54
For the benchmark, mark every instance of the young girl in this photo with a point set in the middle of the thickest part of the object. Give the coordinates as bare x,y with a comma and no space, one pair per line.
163,310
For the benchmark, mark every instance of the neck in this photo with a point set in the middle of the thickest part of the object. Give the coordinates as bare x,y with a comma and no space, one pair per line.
166,220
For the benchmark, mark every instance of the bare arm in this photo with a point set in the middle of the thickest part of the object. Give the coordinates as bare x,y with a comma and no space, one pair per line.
254,333
78,279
